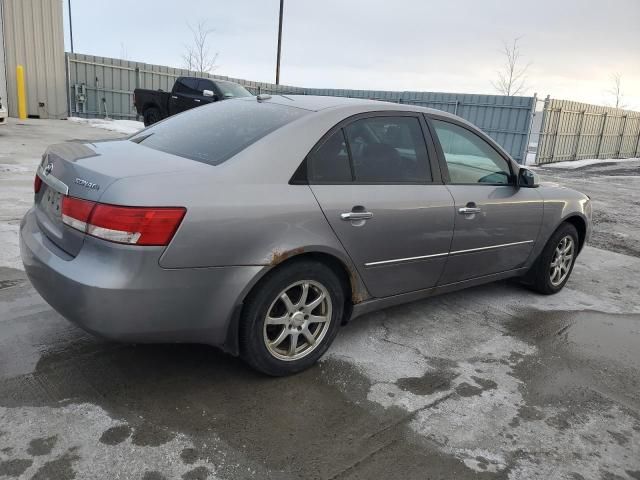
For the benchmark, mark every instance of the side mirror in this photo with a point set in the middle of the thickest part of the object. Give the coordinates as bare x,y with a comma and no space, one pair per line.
208,93
527,179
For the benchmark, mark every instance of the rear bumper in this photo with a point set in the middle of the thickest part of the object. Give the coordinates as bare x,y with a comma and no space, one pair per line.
121,293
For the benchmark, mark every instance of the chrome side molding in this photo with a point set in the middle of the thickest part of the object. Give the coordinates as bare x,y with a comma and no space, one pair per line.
435,255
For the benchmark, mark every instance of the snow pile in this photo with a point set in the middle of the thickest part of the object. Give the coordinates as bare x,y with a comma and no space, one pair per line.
573,164
127,127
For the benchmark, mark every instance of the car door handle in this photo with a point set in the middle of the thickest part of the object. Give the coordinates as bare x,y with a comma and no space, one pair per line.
174,97
196,100
351,216
469,210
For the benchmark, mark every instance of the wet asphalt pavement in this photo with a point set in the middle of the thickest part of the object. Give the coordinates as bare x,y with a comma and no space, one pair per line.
491,382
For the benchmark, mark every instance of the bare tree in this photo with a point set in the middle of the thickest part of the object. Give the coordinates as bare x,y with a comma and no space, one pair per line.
197,55
616,90
512,77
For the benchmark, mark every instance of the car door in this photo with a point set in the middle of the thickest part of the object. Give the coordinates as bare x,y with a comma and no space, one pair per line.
185,95
496,223
377,182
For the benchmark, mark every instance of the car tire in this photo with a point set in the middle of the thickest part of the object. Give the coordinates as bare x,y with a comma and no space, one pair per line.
270,324
151,115
553,267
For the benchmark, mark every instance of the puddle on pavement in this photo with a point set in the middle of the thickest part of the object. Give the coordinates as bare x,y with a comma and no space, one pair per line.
615,336
429,383
9,283
583,355
315,424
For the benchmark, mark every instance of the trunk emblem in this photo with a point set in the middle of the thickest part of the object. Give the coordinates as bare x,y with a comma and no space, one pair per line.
87,184
48,168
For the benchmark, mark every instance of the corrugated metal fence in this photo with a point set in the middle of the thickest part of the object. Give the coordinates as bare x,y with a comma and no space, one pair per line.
100,86
505,119
575,131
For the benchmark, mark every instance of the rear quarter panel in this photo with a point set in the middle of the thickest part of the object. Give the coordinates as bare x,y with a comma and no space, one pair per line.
229,223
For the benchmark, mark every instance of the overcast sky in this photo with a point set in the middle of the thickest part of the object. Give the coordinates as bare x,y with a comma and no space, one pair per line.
574,46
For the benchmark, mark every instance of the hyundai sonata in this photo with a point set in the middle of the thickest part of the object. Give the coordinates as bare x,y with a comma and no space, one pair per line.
262,224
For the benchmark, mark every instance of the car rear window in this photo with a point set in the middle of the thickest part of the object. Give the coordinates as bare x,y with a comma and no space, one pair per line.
214,133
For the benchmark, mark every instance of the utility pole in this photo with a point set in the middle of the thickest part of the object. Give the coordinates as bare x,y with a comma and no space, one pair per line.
70,27
279,43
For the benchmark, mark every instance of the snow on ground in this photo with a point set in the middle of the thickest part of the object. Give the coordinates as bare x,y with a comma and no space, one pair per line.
122,126
531,158
573,164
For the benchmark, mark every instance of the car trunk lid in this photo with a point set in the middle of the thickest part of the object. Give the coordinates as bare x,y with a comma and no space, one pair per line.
85,171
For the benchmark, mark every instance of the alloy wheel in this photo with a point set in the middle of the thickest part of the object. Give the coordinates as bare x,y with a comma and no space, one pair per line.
562,260
297,320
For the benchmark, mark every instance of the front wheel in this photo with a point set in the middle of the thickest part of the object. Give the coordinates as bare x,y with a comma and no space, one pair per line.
551,271
291,318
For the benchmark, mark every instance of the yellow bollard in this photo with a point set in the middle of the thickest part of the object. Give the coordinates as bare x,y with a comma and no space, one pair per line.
22,97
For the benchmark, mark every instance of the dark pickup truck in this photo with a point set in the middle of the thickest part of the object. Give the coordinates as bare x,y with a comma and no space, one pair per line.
187,92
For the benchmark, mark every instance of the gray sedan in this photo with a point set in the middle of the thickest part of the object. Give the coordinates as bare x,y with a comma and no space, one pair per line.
260,225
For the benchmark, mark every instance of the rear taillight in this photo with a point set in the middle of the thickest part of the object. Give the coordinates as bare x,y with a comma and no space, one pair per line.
137,225
37,184
130,225
76,212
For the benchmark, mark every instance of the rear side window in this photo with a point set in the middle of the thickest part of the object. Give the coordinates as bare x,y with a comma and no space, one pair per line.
214,133
388,149
373,150
330,162
187,86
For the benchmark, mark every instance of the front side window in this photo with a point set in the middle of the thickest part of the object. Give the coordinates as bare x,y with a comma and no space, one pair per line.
188,86
205,85
469,158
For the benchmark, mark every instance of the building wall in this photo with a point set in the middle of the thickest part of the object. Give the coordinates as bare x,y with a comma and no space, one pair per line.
34,38
3,78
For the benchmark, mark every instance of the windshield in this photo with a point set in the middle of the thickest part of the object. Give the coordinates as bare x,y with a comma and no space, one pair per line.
214,133
233,90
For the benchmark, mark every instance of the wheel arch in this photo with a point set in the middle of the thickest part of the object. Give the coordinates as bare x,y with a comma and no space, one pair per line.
355,291
581,226
150,105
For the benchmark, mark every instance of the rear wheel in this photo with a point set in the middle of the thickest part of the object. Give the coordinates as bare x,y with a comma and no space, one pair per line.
551,271
151,115
291,318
